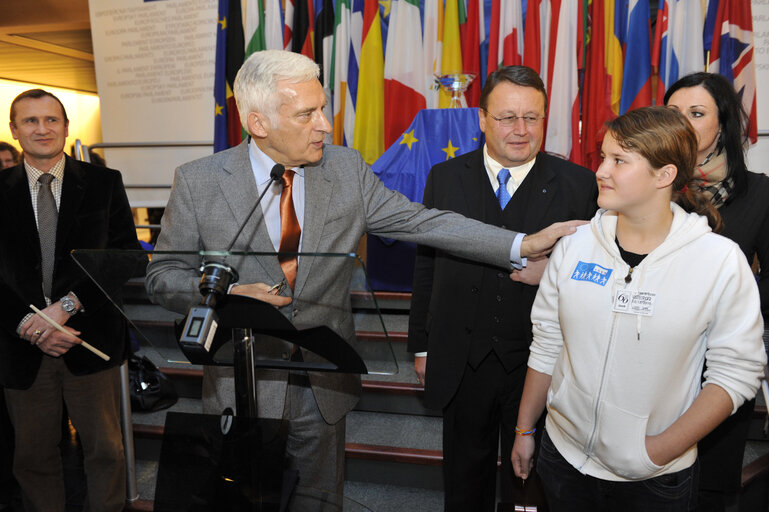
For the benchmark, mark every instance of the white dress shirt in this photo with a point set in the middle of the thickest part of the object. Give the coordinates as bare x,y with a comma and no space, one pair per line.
261,165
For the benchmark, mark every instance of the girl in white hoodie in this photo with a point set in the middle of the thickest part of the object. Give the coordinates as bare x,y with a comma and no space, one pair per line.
628,310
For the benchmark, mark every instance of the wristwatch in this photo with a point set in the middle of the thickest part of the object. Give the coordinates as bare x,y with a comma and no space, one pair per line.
68,305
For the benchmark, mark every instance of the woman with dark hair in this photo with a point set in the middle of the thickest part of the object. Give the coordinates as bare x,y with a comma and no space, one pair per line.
714,109
627,312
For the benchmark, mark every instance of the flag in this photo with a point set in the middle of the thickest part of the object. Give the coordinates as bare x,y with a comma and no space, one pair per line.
288,23
451,58
384,18
230,52
273,25
369,108
339,65
710,25
403,69
433,48
637,77
324,40
562,130
597,89
324,46
731,55
533,36
485,23
263,26
302,28
434,136
353,69
678,43
472,33
614,27
505,35
255,27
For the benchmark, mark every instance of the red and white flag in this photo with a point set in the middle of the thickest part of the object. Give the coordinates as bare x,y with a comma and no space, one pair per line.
562,132
505,34
403,69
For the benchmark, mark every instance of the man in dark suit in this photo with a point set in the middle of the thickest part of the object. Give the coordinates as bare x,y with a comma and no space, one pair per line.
50,205
335,198
9,156
469,325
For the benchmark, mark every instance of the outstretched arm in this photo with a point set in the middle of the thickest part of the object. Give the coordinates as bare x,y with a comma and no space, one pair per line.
542,242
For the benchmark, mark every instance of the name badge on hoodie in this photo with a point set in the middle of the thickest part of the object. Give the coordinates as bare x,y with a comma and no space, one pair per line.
592,273
634,303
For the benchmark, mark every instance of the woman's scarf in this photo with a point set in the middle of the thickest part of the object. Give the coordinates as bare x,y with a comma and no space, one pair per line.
710,178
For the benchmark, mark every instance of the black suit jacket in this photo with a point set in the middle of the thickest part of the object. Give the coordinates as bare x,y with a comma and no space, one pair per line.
93,214
446,289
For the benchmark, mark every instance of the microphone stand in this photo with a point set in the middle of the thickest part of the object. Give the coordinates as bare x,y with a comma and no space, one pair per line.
202,319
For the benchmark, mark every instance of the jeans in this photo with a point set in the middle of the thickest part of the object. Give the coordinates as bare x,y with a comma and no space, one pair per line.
569,490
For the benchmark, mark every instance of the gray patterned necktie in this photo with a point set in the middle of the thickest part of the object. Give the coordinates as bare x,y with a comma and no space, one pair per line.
47,218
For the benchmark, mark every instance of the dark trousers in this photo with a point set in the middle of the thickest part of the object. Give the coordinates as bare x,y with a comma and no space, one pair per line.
93,403
487,399
720,454
7,483
568,490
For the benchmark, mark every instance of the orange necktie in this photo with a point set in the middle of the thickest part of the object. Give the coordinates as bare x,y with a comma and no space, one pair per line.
289,230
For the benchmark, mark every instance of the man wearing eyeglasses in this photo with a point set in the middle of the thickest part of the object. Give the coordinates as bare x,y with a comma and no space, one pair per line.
469,325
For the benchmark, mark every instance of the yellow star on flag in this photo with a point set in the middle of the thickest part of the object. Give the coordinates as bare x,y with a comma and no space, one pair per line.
386,5
223,22
219,110
409,139
449,150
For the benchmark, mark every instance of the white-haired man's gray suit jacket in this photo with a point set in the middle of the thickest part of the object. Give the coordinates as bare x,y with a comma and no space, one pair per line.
343,200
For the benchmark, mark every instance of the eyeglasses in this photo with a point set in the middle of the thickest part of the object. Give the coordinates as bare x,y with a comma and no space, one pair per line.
509,121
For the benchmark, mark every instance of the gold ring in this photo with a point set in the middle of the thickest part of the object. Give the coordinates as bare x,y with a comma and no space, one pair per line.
38,332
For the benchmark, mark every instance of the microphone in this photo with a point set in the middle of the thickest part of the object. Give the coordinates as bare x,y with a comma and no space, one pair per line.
202,320
275,174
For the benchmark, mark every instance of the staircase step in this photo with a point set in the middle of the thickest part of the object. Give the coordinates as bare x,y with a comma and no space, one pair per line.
385,300
380,393
379,497
394,498
375,436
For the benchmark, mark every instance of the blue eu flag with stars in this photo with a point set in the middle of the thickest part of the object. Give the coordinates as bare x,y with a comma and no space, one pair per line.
434,136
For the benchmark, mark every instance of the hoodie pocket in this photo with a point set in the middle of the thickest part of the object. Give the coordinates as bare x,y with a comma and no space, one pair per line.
620,444
571,410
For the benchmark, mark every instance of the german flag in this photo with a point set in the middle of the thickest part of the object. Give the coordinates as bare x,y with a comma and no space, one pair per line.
303,29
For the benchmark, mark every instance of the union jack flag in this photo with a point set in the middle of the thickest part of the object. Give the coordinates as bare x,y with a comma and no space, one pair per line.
731,53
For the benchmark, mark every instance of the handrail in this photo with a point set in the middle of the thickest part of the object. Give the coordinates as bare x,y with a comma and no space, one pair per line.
81,153
81,150
122,145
